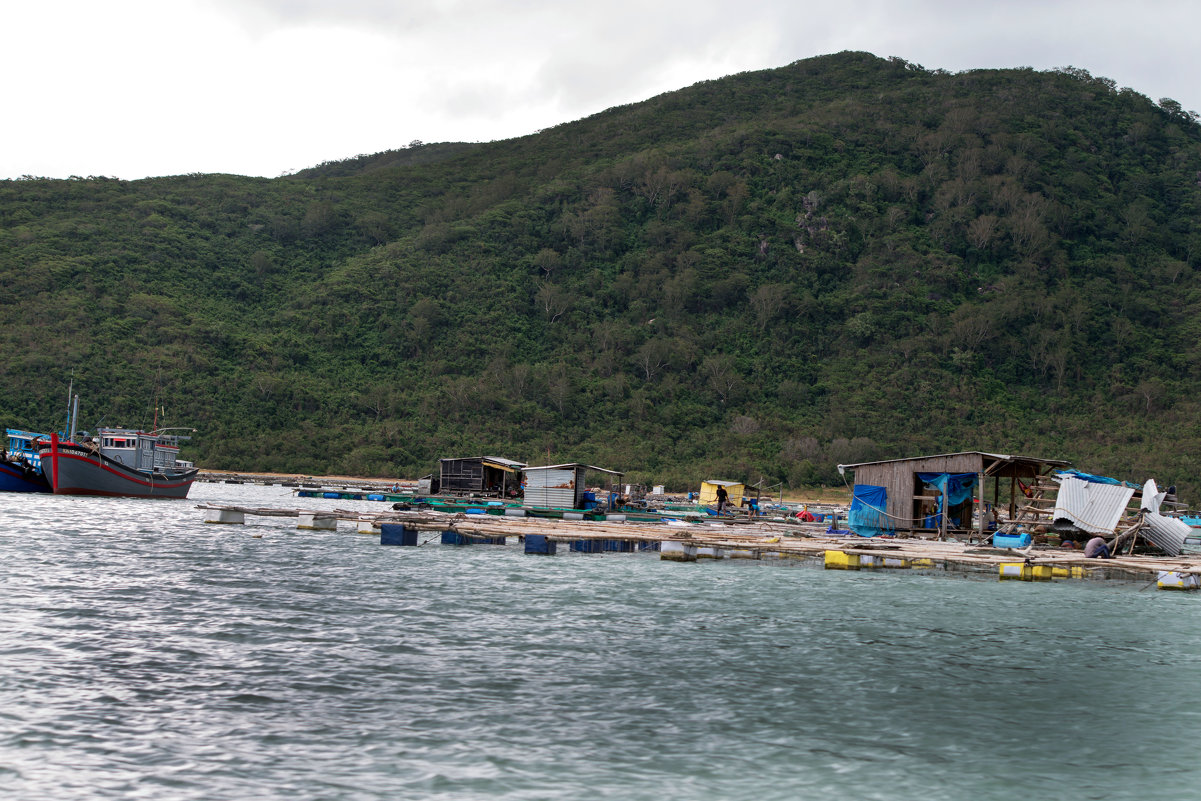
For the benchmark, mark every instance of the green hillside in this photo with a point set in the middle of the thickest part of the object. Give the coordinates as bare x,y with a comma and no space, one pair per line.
758,277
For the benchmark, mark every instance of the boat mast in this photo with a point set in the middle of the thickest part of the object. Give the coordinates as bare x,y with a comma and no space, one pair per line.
74,416
70,394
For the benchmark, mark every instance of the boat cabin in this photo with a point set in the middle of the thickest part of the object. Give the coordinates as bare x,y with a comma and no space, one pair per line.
20,445
139,450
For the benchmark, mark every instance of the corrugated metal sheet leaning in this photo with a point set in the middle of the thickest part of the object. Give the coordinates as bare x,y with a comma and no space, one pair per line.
1166,533
1092,507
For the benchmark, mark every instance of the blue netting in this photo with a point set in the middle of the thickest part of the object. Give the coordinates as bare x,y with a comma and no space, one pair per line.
867,516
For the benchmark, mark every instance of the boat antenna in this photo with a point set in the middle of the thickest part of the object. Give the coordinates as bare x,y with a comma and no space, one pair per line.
157,378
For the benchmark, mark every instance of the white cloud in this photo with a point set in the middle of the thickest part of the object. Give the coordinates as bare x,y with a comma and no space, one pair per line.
134,87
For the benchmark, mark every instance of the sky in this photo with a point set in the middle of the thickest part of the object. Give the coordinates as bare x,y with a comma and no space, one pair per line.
137,88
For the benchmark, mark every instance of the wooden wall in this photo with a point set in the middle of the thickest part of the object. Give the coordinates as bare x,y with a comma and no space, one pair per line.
898,480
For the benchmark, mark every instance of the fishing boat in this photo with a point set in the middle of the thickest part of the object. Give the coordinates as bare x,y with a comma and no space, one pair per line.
21,465
117,462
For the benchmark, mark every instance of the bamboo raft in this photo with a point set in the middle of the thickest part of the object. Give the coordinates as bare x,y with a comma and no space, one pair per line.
758,540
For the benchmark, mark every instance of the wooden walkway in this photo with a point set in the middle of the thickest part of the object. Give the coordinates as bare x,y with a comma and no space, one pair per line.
762,539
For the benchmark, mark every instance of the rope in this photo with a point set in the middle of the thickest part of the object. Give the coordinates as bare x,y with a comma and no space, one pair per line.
882,511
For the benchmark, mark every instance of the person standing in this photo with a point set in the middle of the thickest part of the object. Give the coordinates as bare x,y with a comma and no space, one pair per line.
723,498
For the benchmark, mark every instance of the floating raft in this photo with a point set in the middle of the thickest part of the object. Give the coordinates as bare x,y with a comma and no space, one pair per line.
755,540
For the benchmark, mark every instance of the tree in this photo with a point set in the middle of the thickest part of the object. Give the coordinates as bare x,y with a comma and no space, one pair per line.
721,375
553,300
766,301
547,261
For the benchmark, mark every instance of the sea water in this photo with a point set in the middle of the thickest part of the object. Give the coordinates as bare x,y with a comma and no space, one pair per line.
146,654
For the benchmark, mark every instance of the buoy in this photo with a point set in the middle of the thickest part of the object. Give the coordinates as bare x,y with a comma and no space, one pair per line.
1173,580
1041,572
675,551
368,527
1015,571
838,560
309,521
224,516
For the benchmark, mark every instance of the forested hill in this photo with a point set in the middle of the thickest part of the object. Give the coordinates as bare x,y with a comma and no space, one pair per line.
762,276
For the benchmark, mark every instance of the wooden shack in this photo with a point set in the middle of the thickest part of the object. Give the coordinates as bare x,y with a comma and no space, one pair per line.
906,492
480,475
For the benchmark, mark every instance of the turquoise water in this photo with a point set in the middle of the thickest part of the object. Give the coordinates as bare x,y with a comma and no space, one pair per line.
145,654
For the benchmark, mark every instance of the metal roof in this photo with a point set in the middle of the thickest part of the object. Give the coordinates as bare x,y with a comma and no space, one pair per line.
1095,508
999,456
724,483
492,461
1167,533
572,466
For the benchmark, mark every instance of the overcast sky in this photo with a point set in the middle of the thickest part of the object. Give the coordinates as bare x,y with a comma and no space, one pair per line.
136,88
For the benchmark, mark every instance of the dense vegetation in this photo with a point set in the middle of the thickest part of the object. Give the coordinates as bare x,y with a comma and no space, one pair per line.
758,277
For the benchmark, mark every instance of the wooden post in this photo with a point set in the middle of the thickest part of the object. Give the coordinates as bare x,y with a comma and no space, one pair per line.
996,498
979,508
942,519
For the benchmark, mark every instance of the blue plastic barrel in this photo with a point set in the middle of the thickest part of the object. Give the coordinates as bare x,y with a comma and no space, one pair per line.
538,543
396,534
1011,540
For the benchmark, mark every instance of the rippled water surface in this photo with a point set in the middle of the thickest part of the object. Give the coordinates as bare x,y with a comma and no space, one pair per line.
145,654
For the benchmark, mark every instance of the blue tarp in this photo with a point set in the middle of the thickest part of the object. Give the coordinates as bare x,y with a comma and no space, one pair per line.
867,516
956,488
1089,477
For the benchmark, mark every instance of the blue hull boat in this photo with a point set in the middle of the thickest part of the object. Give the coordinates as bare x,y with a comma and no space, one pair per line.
21,478
21,466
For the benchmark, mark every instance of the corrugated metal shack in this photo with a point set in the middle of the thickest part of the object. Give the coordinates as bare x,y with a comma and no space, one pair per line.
559,486
480,475
907,496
